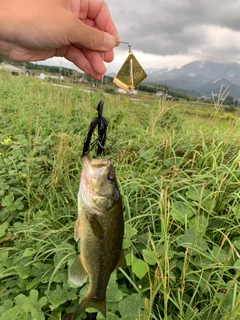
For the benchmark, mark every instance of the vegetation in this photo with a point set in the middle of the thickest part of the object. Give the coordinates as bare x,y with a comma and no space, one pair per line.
179,176
176,95
69,75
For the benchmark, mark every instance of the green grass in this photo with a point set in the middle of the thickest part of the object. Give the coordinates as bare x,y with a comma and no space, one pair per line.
179,176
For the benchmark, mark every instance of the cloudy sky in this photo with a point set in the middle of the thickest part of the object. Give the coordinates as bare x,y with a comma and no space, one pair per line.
171,33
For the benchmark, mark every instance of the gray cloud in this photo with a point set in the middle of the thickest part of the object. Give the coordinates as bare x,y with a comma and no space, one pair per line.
172,27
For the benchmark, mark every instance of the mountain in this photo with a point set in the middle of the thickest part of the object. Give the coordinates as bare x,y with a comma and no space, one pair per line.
203,77
214,87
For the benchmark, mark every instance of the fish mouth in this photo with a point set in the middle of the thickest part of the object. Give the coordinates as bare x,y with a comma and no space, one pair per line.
94,163
92,167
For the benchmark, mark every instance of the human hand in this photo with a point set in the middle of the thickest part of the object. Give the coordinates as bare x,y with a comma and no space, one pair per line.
78,30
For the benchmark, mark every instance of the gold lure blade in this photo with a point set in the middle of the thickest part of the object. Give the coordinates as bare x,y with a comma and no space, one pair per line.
130,75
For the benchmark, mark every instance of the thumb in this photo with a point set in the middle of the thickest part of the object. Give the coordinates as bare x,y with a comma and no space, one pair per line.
90,37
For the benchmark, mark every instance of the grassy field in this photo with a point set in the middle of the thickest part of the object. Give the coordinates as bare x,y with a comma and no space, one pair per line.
178,168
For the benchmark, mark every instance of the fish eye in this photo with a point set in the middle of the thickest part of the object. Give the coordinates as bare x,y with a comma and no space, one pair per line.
110,176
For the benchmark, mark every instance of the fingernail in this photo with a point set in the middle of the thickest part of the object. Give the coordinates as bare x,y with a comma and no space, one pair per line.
109,41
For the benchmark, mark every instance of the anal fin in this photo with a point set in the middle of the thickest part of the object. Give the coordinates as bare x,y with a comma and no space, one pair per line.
76,273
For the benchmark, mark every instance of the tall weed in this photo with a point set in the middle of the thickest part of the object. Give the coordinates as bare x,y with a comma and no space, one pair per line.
179,181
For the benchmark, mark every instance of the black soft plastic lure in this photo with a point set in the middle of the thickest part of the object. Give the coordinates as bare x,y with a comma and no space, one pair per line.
101,123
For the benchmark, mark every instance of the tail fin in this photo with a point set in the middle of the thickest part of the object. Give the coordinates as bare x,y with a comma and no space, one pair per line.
100,306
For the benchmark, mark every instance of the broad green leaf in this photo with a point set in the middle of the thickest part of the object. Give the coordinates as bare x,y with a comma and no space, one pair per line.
8,200
131,307
34,296
18,204
23,271
13,313
237,265
201,195
225,299
174,161
160,248
148,155
55,298
237,243
17,153
8,304
29,252
32,284
109,316
44,270
203,260
3,188
193,241
149,257
219,254
59,295
140,268
193,193
31,304
130,259
200,223
182,211
59,277
24,302
3,228
3,255
129,231
126,243
113,294
142,240
62,252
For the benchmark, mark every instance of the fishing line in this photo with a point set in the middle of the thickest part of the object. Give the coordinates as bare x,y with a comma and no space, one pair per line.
125,42
127,78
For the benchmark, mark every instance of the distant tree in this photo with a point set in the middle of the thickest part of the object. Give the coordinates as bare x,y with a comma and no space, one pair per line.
147,88
228,101
231,108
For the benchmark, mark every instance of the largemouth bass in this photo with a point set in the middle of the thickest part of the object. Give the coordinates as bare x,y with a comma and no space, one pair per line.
100,226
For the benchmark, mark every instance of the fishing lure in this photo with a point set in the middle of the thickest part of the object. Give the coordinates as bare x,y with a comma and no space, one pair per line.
131,74
102,124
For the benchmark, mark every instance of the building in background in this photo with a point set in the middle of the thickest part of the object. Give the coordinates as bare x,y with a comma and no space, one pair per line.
14,70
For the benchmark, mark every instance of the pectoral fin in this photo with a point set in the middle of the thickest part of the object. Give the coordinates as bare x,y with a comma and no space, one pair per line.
96,227
122,261
76,273
77,230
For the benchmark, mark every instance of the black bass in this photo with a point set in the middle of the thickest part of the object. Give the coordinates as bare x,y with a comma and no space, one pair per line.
100,226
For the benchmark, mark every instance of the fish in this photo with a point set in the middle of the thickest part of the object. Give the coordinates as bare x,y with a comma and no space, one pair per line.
100,229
